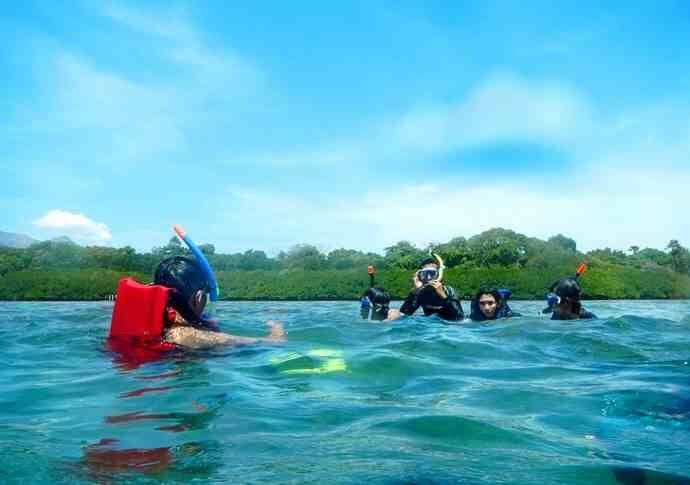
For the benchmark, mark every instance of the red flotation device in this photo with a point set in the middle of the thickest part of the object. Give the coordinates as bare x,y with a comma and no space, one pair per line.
136,329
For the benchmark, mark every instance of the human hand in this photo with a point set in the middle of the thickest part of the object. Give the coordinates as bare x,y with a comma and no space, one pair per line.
438,287
415,281
393,314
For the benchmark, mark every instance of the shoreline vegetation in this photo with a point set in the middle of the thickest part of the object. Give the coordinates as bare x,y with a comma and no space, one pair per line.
63,271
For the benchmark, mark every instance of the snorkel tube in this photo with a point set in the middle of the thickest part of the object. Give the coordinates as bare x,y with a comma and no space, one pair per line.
441,265
365,303
214,291
582,267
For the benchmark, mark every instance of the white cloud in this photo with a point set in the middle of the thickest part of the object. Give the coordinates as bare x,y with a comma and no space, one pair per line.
502,108
181,44
507,109
170,25
77,226
625,182
125,120
599,208
118,118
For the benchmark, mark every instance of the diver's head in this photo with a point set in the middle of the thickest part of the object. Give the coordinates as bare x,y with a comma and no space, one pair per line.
428,262
488,300
567,288
379,301
428,270
568,292
187,280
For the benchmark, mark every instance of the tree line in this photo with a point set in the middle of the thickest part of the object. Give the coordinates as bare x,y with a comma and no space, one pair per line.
64,271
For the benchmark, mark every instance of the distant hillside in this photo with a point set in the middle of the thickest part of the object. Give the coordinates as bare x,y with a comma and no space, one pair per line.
12,240
62,239
22,241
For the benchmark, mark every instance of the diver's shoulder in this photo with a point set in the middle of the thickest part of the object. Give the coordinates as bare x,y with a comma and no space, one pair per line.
587,315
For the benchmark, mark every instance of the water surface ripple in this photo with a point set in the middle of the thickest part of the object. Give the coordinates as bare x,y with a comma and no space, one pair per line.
346,401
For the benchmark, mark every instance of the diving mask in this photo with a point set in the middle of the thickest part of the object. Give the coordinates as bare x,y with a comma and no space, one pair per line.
427,275
210,310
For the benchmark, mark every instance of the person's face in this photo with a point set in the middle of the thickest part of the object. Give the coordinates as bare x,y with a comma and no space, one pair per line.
197,302
564,309
487,304
430,266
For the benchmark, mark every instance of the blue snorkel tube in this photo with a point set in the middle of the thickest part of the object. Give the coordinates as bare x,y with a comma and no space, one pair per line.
214,291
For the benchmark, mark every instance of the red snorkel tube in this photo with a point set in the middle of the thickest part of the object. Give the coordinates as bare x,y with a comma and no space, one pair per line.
370,270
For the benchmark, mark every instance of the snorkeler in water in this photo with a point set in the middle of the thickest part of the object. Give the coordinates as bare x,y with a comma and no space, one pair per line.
184,323
563,299
491,304
375,302
567,304
431,294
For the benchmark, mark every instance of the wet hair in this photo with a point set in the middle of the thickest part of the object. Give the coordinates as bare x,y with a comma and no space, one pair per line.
569,291
486,290
185,277
379,300
567,288
426,261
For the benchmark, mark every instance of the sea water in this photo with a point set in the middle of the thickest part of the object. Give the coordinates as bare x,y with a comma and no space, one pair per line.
526,400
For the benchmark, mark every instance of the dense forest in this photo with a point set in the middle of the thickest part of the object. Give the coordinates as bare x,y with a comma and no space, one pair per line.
55,270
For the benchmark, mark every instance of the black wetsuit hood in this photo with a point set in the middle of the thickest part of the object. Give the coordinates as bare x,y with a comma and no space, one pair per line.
375,304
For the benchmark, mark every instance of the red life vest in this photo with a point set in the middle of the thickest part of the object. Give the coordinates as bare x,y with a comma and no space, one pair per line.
136,329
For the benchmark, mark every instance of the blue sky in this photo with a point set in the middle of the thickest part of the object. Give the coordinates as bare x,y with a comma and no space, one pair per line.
353,125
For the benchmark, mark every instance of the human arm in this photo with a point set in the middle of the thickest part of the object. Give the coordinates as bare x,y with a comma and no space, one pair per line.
586,315
452,309
195,338
411,303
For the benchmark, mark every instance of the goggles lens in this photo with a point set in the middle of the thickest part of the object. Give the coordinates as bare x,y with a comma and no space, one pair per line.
209,309
426,275
552,299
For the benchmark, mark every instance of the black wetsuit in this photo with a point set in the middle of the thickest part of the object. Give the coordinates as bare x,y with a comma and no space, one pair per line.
432,304
503,311
375,304
583,315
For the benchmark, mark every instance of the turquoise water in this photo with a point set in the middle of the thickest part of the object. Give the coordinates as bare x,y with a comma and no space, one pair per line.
346,401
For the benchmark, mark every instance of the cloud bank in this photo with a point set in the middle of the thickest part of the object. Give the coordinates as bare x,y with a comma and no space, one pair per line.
600,207
76,226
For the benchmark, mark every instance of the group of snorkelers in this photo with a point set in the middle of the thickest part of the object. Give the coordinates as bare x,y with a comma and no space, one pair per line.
436,298
178,318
